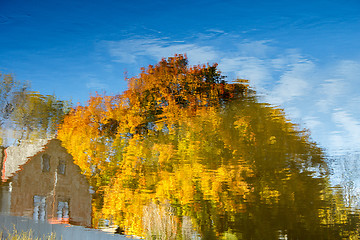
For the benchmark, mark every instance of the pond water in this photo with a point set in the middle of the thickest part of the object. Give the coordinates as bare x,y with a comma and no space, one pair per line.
201,144
242,172
181,154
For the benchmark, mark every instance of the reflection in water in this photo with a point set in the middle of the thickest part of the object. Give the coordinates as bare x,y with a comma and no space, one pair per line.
26,114
39,208
40,188
181,155
243,172
346,173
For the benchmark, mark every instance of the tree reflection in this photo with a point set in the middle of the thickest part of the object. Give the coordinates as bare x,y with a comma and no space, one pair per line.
182,144
243,169
26,114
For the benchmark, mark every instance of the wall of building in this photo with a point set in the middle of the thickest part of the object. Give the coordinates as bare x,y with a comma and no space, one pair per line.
38,181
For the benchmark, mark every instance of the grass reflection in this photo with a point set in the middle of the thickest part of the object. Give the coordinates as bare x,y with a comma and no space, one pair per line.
28,235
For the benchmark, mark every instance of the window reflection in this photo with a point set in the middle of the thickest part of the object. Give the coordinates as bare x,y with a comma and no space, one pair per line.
63,210
61,167
39,208
45,163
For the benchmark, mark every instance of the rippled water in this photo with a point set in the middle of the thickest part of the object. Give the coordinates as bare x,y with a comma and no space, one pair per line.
243,173
191,157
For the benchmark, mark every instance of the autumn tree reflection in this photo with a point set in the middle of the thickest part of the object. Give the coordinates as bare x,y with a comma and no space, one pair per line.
204,158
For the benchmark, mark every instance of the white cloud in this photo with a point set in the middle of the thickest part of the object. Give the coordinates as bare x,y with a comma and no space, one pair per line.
349,69
312,122
130,50
329,91
293,82
196,54
349,134
214,30
293,113
96,84
338,87
282,77
259,49
252,68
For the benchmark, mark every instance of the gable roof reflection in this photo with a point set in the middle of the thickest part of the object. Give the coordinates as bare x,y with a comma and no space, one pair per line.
43,183
16,156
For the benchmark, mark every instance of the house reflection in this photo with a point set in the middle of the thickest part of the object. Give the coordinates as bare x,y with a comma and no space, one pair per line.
45,186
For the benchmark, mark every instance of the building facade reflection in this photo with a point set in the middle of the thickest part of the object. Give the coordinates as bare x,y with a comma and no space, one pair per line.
44,186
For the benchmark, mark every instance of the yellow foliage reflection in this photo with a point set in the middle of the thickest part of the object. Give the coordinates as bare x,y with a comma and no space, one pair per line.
202,156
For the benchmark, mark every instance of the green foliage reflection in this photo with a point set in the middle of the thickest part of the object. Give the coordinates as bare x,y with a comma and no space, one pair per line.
25,114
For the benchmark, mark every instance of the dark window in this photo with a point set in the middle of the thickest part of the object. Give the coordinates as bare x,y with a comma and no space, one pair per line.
62,167
39,208
45,163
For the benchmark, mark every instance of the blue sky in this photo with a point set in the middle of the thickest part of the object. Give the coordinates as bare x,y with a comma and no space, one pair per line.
303,56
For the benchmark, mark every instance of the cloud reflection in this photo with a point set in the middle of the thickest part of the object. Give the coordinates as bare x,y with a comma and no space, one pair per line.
289,78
